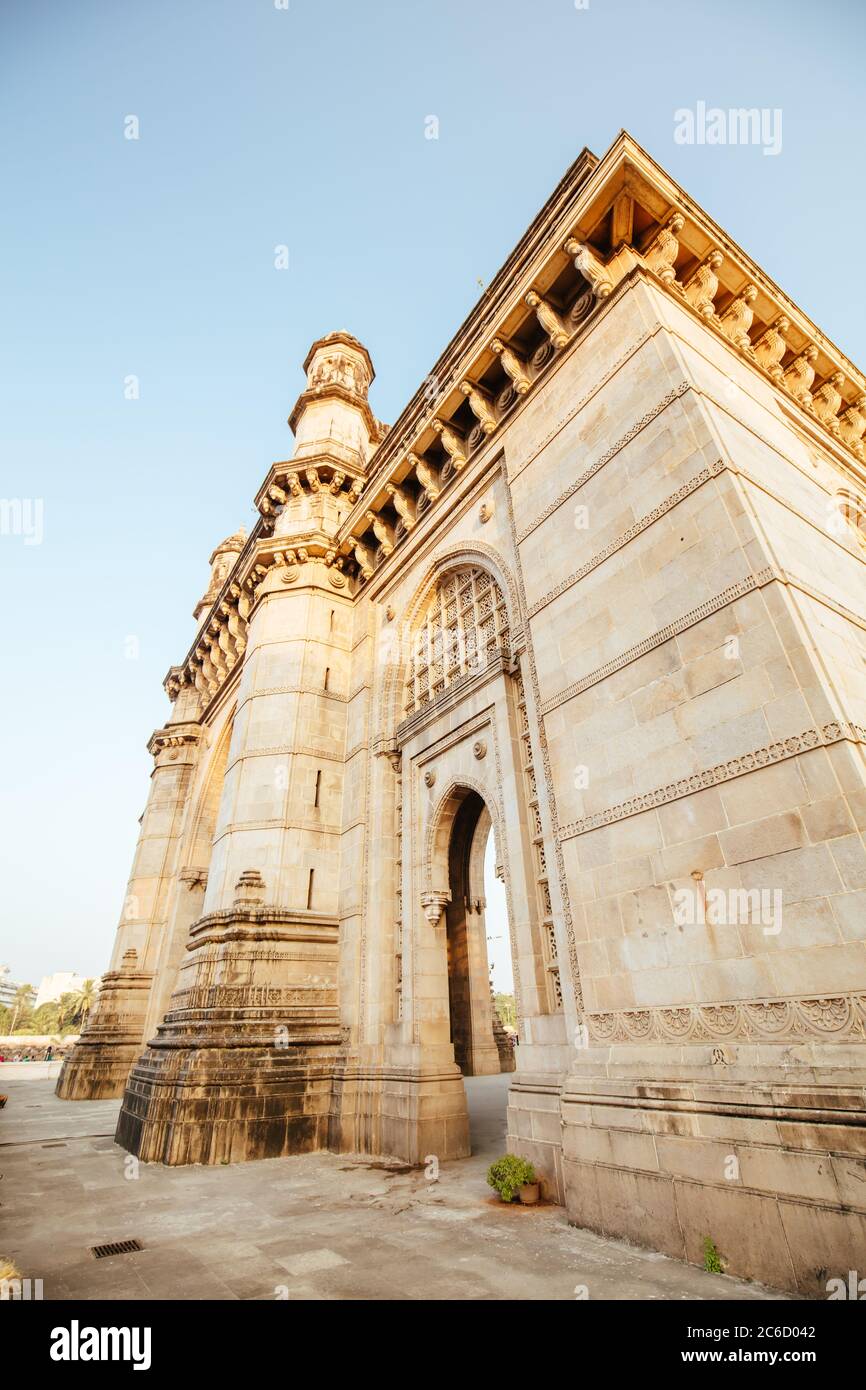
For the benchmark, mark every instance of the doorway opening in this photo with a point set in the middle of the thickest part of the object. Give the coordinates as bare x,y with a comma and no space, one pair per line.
478,944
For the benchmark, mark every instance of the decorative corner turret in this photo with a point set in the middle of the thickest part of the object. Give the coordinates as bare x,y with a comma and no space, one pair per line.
221,562
331,419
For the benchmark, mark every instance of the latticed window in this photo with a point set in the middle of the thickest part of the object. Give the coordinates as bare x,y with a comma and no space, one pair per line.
464,628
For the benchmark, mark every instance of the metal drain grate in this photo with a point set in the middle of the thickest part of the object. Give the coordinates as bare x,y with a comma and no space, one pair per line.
118,1247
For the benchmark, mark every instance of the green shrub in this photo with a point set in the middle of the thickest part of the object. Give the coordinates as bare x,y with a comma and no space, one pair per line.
712,1261
507,1175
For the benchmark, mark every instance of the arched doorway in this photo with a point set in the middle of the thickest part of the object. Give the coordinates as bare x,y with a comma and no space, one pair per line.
463,770
481,1044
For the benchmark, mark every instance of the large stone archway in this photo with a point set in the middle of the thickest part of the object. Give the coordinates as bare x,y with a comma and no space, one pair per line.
465,766
580,580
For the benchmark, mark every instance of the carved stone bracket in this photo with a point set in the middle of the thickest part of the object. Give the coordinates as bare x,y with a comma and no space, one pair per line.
434,905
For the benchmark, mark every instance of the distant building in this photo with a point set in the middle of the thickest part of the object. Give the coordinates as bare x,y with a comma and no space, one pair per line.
54,986
8,988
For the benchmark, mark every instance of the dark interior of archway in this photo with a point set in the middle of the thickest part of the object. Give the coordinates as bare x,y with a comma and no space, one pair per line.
459,995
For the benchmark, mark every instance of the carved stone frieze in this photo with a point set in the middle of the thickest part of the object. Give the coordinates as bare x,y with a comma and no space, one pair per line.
824,1018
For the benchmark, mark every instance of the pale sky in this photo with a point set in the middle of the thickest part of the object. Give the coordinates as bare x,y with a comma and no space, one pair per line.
305,127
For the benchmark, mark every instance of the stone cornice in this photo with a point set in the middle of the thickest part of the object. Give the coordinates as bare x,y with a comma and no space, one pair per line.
330,390
590,221
262,923
559,209
607,223
172,738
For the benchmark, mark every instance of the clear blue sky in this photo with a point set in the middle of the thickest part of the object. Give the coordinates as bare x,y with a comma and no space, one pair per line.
261,126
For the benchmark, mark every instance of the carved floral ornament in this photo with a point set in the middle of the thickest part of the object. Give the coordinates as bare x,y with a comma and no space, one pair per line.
829,1017
730,296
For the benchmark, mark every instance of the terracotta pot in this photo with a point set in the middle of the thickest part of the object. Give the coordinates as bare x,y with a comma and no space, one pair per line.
529,1194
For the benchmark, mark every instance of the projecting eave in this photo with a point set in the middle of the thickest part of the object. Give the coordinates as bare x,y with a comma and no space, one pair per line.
608,221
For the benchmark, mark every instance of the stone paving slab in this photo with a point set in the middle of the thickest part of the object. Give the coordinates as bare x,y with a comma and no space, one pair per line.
320,1226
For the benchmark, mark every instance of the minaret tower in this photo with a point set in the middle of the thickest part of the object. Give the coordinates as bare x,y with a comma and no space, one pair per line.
242,1064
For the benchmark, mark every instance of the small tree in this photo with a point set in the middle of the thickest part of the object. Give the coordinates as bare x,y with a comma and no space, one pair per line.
506,1009
22,1007
46,1018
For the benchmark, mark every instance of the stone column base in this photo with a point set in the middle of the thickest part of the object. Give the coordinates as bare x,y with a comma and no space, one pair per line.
766,1162
228,1104
100,1062
96,1071
407,1112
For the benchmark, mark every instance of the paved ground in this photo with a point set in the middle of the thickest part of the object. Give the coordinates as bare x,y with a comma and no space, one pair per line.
321,1226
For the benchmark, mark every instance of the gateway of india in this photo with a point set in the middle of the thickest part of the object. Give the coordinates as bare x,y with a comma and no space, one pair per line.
601,592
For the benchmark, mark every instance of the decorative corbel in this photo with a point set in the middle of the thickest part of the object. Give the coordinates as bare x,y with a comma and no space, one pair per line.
312,477
800,374
243,602
452,445
198,677
736,321
225,643
293,483
590,267
827,401
663,249
278,495
426,475
480,406
364,556
513,366
702,285
434,905
403,505
336,483
219,659
548,318
382,531
235,628
208,670
852,423
771,347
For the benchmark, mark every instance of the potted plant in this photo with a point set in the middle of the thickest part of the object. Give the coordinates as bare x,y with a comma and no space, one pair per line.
513,1177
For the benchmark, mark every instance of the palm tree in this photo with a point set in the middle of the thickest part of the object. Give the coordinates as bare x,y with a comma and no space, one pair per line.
22,1001
75,1006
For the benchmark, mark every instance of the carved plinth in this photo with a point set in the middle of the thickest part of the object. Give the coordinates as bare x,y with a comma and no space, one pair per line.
100,1062
241,1067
